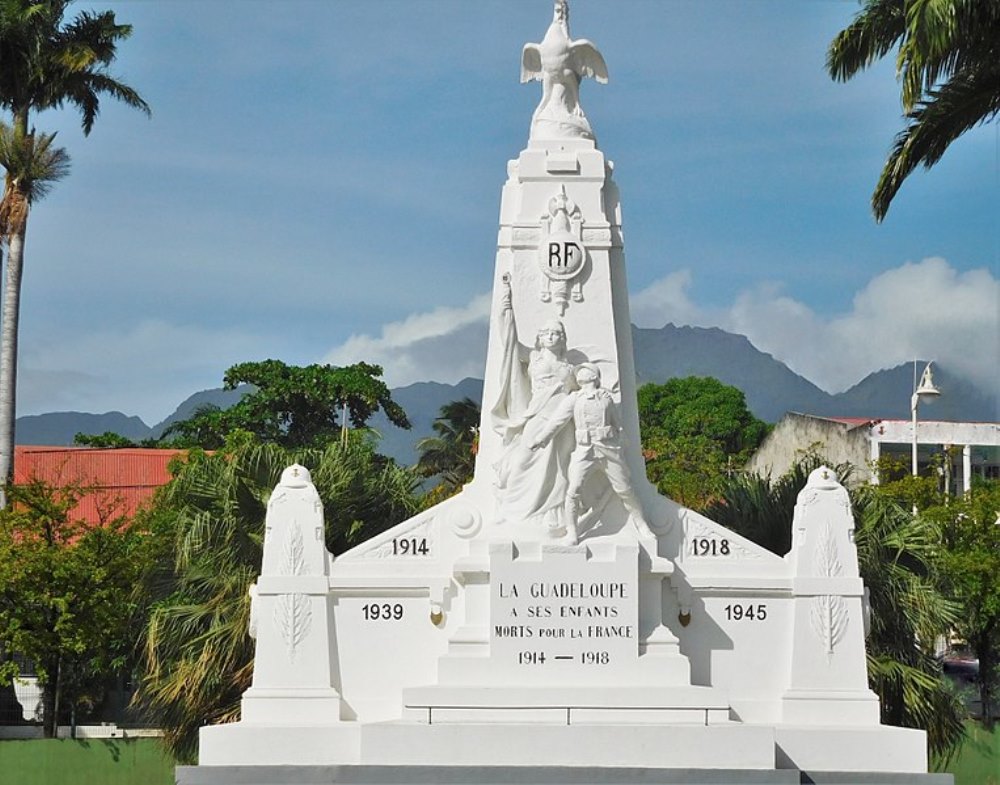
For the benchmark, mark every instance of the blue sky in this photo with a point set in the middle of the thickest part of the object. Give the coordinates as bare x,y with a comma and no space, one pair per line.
320,181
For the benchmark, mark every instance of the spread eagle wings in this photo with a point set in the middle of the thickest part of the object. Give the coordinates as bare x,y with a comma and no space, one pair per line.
587,61
584,59
531,63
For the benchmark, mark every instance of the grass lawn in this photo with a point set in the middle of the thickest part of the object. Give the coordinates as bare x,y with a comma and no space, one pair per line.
978,762
144,762
85,762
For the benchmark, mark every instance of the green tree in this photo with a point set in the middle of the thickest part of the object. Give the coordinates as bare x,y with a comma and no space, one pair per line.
66,600
695,431
451,454
761,508
109,440
208,526
44,64
968,559
291,405
971,565
899,560
948,65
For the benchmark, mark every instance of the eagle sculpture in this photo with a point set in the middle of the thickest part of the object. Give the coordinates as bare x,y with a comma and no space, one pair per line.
559,63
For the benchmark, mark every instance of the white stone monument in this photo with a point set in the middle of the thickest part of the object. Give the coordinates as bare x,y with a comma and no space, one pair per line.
559,615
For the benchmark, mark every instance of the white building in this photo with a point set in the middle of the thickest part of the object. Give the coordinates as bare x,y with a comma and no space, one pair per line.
974,448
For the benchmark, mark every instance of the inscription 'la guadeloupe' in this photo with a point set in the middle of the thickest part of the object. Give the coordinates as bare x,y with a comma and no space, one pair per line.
565,591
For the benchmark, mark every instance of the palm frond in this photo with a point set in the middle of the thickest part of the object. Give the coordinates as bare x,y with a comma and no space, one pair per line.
197,655
875,31
964,102
33,165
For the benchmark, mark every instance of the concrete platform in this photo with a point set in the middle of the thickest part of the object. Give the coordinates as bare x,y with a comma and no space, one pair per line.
531,775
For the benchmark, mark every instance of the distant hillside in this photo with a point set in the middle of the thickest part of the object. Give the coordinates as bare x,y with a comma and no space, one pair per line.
771,390
60,428
770,386
422,403
217,397
887,393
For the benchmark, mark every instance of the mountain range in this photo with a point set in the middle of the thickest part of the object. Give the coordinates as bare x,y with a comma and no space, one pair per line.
770,387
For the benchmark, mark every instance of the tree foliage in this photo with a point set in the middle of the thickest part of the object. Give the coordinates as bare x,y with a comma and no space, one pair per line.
109,440
898,554
695,431
66,593
291,405
208,526
971,565
900,562
45,63
968,559
450,455
948,65
761,508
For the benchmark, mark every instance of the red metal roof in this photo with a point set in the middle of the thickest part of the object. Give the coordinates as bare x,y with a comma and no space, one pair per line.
122,479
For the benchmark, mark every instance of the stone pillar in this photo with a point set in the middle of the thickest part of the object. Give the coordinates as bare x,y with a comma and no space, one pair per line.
291,612
828,680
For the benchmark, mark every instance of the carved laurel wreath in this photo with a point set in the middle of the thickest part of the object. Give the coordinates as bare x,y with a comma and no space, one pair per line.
828,613
293,612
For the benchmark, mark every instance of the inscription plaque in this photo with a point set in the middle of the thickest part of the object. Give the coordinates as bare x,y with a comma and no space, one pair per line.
565,609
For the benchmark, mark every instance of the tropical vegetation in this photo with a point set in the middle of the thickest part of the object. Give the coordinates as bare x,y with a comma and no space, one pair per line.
450,455
45,63
696,432
66,595
207,526
930,576
948,66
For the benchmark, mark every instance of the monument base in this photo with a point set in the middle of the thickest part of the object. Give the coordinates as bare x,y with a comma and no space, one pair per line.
882,747
532,775
661,748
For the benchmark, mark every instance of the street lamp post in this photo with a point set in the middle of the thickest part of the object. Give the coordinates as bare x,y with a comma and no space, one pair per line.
927,388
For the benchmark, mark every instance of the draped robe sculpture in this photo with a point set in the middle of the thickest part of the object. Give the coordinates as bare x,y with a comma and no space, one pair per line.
531,484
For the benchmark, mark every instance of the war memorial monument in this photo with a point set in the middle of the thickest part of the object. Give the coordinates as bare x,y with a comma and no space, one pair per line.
559,621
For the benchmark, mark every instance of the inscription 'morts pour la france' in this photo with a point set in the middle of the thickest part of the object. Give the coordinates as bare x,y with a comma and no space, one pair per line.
585,620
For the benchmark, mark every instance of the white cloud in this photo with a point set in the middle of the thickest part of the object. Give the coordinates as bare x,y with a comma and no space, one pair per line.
926,310
666,300
444,345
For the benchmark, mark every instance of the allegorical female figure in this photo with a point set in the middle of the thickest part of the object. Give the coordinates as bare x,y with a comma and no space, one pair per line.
531,484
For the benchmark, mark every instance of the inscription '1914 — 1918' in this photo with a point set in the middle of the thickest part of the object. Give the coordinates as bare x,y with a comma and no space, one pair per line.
564,621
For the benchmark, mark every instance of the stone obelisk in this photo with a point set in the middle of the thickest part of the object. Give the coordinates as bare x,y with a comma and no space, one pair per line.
561,460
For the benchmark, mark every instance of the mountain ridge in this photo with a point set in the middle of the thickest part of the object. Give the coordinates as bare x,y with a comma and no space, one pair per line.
770,387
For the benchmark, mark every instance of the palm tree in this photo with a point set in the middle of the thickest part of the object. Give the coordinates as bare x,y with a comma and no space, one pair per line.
32,165
44,64
897,557
760,508
451,454
948,64
208,527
